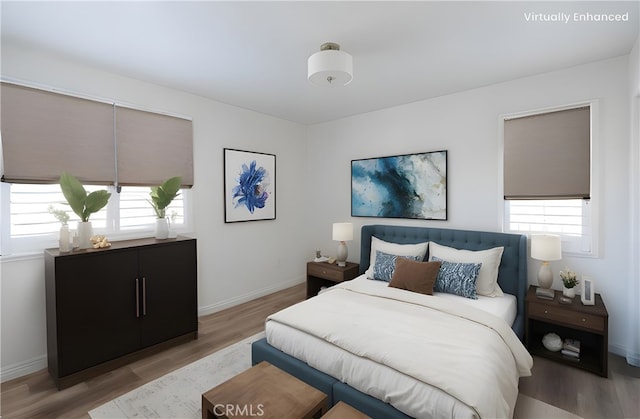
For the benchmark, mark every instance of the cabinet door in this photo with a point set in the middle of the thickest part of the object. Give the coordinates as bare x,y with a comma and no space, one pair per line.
170,297
96,308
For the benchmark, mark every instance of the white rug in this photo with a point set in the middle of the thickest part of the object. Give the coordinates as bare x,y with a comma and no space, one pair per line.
178,394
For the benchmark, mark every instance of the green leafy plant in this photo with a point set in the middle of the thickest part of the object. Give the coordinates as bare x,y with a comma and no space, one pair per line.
81,203
569,278
161,196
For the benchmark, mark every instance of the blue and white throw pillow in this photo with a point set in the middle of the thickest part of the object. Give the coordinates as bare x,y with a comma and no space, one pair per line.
457,278
385,265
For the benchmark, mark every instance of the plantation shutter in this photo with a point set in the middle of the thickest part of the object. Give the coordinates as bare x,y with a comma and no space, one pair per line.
152,148
45,133
548,156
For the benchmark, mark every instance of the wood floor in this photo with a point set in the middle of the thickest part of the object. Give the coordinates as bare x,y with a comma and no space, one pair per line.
35,396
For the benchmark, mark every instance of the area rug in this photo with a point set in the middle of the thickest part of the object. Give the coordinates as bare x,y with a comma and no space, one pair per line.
178,394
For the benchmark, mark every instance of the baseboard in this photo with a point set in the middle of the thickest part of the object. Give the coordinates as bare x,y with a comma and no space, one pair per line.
23,368
231,302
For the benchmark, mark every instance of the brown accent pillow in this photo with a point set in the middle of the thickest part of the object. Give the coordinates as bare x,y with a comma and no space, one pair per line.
415,276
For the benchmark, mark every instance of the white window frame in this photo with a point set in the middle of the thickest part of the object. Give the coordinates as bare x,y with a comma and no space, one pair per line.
11,247
571,245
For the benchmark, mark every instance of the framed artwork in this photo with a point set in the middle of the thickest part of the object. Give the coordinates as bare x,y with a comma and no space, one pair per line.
249,186
405,186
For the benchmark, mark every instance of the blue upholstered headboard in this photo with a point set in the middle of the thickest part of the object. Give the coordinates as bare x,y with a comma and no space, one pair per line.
512,275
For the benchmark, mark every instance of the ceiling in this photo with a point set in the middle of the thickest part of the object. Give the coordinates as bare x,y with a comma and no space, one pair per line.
254,54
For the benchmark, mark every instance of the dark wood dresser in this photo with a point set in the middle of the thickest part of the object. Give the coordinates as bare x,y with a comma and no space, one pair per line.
108,307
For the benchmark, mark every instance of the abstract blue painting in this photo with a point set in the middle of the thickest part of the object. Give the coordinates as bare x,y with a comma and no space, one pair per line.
405,186
249,186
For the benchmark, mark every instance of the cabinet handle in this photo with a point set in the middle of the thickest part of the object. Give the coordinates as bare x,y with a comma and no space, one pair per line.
137,298
546,312
584,320
144,296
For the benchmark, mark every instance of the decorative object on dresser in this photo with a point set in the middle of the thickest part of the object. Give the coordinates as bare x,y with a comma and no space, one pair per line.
249,186
569,282
342,232
584,330
161,197
405,186
64,239
107,307
545,247
588,292
321,275
83,205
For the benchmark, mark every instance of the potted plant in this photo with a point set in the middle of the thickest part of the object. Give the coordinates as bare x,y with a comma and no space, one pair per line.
64,238
569,281
83,205
161,197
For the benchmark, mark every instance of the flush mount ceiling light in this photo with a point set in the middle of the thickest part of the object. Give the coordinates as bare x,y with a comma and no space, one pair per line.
330,67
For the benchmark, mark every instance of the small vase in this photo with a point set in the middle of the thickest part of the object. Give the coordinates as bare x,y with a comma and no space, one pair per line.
569,292
162,228
85,232
64,241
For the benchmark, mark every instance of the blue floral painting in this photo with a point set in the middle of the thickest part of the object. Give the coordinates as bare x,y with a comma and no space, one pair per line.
249,185
406,186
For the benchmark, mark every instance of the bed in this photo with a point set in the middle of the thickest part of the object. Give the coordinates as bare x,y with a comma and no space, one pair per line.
390,352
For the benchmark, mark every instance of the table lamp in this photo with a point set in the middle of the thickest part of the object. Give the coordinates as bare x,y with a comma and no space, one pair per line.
342,232
545,247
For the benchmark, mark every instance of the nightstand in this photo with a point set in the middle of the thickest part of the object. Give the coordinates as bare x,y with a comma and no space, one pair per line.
588,324
322,274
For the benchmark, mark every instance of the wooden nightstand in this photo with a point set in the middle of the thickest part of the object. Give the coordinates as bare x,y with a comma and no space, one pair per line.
588,324
322,274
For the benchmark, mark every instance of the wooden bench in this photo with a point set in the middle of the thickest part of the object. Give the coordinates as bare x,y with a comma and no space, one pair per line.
264,391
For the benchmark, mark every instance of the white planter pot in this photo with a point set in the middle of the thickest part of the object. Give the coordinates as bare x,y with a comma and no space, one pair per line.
162,228
569,292
85,232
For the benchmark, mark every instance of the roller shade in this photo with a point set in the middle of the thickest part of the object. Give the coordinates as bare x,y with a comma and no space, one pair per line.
153,147
45,133
548,156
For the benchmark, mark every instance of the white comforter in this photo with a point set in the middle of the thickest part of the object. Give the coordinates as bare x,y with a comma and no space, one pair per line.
472,355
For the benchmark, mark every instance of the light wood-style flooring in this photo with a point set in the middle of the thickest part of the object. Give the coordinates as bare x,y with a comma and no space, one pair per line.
35,395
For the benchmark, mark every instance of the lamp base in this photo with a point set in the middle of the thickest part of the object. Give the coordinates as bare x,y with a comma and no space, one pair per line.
545,293
341,255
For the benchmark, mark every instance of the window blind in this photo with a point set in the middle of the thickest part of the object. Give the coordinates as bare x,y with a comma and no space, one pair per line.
46,133
152,148
548,156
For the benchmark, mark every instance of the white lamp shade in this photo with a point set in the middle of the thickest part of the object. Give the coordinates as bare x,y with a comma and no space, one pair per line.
342,231
330,68
546,247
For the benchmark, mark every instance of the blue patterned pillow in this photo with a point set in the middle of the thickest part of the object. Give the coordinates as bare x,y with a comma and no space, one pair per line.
385,264
457,278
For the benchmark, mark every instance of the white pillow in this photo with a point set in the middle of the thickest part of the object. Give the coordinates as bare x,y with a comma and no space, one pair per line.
419,250
487,283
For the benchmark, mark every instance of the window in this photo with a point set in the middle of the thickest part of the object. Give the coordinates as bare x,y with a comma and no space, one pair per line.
31,227
570,218
548,176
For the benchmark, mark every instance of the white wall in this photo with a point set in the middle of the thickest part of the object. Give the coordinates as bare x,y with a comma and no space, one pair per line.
236,262
467,125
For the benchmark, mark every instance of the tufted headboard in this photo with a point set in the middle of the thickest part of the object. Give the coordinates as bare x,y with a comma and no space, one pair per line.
512,274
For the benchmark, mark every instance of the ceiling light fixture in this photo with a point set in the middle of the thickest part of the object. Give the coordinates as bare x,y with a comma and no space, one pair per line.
330,67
